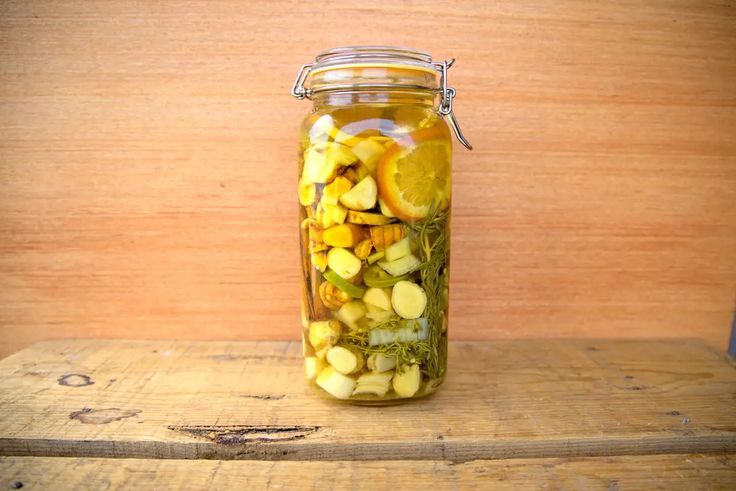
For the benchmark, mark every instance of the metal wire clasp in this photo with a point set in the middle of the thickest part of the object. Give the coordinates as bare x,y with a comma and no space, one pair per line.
446,96
297,88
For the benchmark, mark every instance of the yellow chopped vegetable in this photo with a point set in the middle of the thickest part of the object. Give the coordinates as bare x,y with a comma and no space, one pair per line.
335,383
323,218
325,127
334,212
362,196
373,383
323,334
369,151
322,161
345,235
351,313
316,242
385,235
379,362
319,260
406,381
307,194
363,248
385,210
408,299
395,251
378,297
338,187
343,262
344,360
365,218
401,266
313,366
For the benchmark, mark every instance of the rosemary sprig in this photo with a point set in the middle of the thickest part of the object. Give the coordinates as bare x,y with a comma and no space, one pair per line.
432,235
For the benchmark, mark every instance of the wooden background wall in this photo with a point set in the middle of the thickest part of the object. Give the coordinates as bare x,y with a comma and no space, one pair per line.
147,167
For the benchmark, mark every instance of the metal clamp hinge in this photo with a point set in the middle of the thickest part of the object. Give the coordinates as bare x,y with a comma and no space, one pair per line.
446,96
297,88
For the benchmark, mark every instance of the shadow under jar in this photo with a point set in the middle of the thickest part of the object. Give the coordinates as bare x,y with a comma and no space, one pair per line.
374,193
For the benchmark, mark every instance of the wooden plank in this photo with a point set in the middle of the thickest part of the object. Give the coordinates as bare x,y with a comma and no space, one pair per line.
147,164
666,472
509,399
732,340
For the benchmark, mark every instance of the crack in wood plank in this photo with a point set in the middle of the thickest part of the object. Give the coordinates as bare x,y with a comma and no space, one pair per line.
265,397
241,434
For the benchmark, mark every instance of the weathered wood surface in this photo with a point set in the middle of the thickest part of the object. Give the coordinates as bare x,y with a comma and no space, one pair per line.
661,472
147,168
247,400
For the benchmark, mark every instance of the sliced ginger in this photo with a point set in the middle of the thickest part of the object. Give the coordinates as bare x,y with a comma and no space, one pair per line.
323,334
408,299
406,380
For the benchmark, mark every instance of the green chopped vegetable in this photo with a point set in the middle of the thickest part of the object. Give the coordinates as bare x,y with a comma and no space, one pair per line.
343,284
377,278
375,257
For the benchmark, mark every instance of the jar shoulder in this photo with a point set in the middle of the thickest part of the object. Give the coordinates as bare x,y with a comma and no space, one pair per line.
348,124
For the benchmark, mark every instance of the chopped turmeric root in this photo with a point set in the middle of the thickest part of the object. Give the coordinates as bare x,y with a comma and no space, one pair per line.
363,249
338,187
385,235
345,235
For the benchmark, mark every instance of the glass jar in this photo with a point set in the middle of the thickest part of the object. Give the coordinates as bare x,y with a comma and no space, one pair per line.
374,194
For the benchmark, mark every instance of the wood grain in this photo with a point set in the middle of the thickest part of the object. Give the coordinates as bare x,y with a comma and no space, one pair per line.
147,169
665,472
248,400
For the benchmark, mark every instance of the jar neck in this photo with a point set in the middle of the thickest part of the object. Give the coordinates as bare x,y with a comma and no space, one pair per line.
389,97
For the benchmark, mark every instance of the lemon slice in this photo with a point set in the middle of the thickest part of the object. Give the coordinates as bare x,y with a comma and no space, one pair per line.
415,176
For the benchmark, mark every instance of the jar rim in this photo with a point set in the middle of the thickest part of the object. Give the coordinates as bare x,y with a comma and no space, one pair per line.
372,56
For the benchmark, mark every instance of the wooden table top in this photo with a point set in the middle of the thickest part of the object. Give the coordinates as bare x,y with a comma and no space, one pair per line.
574,413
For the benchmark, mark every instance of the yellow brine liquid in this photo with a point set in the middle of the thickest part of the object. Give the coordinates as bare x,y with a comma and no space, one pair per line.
374,200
